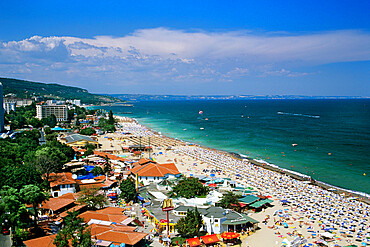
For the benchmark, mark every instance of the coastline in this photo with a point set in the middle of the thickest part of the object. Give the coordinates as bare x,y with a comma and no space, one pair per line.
362,196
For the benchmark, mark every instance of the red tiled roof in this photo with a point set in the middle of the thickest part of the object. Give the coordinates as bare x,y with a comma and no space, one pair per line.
110,210
89,215
57,203
110,156
61,178
73,196
75,208
155,170
46,241
117,237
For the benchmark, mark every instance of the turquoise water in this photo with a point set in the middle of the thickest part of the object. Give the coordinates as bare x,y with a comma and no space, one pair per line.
333,136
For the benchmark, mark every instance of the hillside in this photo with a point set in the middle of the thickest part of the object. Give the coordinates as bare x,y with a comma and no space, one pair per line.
27,89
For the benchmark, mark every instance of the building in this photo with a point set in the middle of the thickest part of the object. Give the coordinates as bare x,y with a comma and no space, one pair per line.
78,141
9,106
76,102
217,220
23,102
60,112
153,172
62,183
1,109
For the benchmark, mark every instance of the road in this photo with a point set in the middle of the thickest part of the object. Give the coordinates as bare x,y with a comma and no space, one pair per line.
5,240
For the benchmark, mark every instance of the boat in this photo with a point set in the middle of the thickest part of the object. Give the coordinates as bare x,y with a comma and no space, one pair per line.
201,128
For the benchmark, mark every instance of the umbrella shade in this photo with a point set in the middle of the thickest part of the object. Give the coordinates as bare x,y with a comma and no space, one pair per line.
229,235
210,239
193,242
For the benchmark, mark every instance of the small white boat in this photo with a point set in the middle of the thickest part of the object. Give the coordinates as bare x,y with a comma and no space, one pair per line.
201,128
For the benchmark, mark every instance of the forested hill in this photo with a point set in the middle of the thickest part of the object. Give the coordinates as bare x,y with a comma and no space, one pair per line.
27,89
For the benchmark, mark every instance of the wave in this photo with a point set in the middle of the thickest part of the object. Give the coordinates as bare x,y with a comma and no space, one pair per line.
297,114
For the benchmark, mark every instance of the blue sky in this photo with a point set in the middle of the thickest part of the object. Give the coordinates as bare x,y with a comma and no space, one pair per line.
190,47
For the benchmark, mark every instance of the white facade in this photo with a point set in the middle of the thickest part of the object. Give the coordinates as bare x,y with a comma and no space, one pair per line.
9,106
60,112
76,102
1,109
213,225
148,180
62,189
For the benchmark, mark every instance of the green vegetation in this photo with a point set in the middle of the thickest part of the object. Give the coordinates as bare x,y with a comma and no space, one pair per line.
229,200
27,89
87,131
74,231
97,171
23,165
22,117
92,198
189,188
128,190
191,224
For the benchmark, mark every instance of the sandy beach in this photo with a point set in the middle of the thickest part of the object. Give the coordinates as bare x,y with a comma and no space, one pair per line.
299,208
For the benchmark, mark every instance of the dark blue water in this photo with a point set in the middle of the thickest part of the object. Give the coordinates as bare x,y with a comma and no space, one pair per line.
333,136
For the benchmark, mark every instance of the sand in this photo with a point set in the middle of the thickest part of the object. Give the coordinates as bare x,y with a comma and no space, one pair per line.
349,217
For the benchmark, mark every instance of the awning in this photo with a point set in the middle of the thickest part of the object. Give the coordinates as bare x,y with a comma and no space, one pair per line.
240,221
249,199
127,221
101,242
260,203
210,239
193,242
229,235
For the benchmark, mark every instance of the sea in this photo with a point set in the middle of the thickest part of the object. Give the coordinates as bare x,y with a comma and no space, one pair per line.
328,140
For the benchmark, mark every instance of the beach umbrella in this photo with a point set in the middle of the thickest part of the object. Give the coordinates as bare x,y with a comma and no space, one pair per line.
229,235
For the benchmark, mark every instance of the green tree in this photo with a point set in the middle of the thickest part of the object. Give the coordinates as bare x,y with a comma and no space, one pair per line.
51,137
110,118
31,194
87,131
46,165
51,121
191,224
189,188
48,130
12,208
107,168
128,190
74,231
97,171
88,152
21,175
36,123
90,146
54,153
92,197
228,199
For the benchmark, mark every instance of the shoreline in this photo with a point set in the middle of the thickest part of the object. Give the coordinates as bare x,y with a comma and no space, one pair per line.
362,196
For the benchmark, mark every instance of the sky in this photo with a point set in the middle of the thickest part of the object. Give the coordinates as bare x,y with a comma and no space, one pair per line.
318,48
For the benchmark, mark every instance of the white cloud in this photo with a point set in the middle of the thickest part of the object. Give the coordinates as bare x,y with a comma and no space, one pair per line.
175,55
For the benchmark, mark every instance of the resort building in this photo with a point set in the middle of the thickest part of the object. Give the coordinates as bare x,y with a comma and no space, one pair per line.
1,109
60,112
217,220
78,141
9,106
152,172
62,183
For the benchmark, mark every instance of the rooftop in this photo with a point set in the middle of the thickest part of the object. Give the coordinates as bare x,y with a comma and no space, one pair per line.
155,170
57,203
